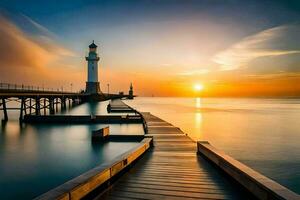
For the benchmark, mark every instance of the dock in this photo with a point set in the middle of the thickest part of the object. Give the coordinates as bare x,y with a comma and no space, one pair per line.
45,101
167,164
172,170
83,119
117,105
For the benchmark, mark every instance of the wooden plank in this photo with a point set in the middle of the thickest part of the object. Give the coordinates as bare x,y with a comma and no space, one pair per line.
181,194
166,174
172,170
134,195
87,182
175,184
167,143
171,188
167,170
182,182
112,197
175,178
259,185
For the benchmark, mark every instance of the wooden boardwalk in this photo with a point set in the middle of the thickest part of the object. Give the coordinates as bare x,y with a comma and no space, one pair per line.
117,105
172,170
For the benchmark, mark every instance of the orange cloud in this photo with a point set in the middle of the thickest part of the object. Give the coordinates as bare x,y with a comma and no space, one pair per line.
276,41
33,60
40,60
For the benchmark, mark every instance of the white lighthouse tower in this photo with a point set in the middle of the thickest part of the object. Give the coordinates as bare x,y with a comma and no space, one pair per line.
92,84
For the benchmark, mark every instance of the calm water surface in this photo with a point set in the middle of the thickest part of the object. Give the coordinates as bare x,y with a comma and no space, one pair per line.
262,133
37,158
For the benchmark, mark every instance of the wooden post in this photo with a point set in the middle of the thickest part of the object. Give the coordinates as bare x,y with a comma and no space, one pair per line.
56,105
37,106
25,106
51,106
21,109
45,106
30,105
4,110
101,134
73,102
63,103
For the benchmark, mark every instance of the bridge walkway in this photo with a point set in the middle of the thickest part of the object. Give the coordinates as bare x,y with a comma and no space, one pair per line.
117,105
172,170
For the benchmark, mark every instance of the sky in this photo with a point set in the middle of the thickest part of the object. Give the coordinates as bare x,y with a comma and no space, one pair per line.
164,47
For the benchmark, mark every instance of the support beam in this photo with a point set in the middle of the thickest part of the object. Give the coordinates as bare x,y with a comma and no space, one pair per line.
51,106
45,106
30,106
4,110
73,102
56,104
25,106
37,106
21,109
63,103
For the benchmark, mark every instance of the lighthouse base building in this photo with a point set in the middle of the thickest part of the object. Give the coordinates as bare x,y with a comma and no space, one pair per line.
93,88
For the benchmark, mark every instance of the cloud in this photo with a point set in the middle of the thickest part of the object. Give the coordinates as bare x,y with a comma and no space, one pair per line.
193,72
273,42
38,28
17,50
30,58
46,38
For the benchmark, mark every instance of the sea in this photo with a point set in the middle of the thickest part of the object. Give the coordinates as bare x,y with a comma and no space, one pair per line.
37,158
262,133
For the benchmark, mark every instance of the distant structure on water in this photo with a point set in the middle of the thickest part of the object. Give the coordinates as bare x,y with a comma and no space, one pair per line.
130,93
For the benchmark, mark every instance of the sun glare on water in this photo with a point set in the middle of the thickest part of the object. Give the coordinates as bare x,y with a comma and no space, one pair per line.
198,87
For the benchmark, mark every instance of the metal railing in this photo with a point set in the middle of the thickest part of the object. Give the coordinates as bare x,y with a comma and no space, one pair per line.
31,88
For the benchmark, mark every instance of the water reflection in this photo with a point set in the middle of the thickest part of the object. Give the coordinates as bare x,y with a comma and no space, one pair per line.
36,158
92,108
198,115
198,102
198,120
263,133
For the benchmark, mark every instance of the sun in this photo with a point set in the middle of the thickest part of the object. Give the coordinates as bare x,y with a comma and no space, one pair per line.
198,87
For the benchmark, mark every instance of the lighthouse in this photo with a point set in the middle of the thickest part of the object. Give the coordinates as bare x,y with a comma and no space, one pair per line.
92,84
130,93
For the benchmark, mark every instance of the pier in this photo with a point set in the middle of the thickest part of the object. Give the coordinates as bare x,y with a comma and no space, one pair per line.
40,101
172,170
36,100
83,119
169,165
118,106
179,168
